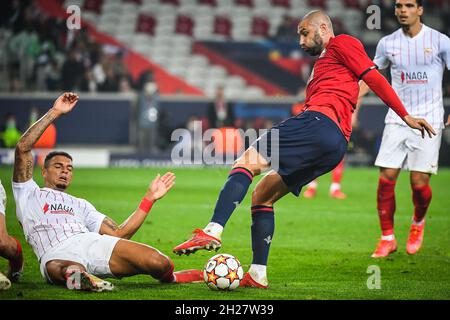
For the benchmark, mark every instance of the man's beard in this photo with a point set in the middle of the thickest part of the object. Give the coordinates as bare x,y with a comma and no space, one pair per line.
61,187
318,46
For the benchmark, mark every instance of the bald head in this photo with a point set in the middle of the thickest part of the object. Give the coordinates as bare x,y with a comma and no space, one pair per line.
317,18
315,31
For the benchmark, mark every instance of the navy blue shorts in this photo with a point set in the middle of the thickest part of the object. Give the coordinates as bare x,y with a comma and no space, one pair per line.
309,145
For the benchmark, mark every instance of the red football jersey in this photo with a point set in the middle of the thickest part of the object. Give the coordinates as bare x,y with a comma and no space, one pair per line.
333,87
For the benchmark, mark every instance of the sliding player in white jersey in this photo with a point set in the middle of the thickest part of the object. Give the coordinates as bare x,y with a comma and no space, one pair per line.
76,244
417,56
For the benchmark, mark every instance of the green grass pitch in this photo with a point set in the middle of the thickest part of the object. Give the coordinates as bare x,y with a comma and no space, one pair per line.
321,247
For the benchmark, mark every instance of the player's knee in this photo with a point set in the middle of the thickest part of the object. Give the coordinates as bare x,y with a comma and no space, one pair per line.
240,164
55,272
255,171
388,175
255,198
418,180
161,264
166,264
258,200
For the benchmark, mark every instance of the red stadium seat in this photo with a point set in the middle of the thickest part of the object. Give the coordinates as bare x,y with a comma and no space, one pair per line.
352,4
222,26
146,24
318,3
184,25
282,3
248,3
133,1
260,27
172,2
93,5
211,3
338,26
438,3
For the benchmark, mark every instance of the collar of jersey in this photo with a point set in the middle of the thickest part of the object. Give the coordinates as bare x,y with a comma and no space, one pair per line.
417,36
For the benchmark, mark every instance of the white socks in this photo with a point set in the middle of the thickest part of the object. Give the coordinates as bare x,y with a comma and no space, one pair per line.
335,186
214,229
313,184
258,273
388,238
418,223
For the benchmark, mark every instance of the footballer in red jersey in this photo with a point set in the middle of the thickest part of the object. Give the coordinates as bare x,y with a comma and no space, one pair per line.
309,144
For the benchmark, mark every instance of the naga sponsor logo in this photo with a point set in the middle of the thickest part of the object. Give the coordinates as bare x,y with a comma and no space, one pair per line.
414,77
57,208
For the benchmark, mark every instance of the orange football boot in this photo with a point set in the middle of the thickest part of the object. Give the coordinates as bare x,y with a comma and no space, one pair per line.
310,193
385,248
415,238
338,194
200,240
247,281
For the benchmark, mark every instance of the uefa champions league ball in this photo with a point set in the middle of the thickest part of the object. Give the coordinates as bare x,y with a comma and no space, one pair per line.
223,272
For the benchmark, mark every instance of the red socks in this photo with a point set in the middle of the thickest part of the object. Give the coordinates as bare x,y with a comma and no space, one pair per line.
19,248
336,175
386,205
168,277
421,196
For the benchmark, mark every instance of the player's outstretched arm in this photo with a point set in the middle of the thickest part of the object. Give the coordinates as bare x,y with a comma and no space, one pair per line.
363,90
158,188
378,84
23,161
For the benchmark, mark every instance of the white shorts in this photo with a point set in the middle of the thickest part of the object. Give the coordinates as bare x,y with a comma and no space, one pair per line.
90,249
2,199
404,148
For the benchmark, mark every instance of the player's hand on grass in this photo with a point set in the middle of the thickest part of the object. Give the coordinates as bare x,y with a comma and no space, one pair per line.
420,124
65,102
160,186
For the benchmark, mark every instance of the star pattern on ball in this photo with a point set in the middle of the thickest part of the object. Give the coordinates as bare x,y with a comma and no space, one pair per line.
232,275
212,277
221,259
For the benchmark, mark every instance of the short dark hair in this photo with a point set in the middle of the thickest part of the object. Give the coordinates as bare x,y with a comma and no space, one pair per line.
54,154
419,3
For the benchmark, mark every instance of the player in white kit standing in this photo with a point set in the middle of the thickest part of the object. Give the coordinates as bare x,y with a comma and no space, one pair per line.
417,56
76,245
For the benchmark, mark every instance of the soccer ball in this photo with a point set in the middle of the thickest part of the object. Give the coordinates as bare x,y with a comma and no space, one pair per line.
223,272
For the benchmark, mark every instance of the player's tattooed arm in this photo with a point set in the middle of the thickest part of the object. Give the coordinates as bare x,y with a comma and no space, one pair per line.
110,224
125,231
23,162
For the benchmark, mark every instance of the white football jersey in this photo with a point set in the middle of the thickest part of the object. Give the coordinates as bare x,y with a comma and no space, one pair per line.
49,217
417,67
2,199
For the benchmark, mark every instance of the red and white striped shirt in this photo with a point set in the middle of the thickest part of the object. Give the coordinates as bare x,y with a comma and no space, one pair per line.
50,217
417,67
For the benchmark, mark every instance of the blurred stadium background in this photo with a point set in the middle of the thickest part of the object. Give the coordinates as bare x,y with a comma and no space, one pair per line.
146,67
